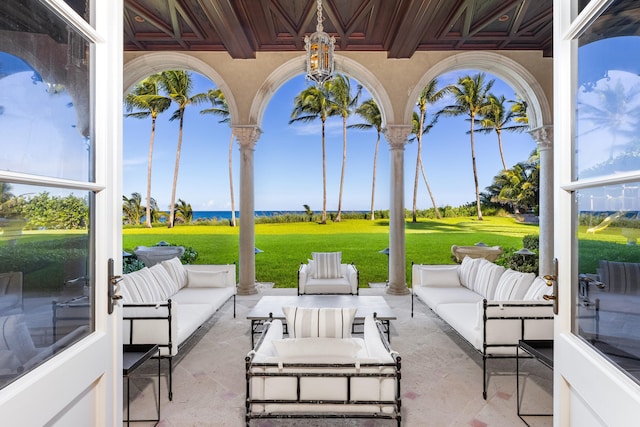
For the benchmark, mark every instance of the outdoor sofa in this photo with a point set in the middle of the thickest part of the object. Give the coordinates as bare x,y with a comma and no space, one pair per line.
326,274
489,306
166,303
321,371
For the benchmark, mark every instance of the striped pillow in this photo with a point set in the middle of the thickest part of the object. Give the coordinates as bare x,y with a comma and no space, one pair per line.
167,286
177,271
142,286
306,322
327,265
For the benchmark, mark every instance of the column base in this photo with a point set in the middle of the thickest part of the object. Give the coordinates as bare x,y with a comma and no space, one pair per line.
394,289
249,289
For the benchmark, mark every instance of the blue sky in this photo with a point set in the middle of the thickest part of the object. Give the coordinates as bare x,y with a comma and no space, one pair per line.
288,168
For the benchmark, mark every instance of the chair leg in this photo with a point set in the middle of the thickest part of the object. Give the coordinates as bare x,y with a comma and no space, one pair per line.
484,377
170,378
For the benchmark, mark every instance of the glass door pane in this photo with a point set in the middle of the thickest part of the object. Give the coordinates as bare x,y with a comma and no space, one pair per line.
607,153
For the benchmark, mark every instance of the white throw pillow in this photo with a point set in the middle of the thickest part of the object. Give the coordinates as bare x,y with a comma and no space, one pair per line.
206,279
487,278
176,271
513,285
142,286
318,347
327,265
167,286
439,276
537,289
308,322
469,270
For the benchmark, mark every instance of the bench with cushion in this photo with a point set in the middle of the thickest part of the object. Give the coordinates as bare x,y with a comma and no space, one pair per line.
326,274
320,371
166,303
490,307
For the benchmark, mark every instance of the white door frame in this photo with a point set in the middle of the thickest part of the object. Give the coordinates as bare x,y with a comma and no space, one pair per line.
588,390
83,384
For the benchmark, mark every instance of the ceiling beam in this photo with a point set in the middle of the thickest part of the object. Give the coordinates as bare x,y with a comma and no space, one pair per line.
225,21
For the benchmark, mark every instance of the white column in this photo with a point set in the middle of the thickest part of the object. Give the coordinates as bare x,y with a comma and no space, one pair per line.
396,136
544,137
247,137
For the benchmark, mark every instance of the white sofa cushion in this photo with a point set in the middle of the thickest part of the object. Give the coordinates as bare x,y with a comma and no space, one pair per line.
317,347
306,322
167,286
311,268
206,279
468,271
141,286
487,278
439,276
176,270
327,265
537,290
433,296
513,285
213,296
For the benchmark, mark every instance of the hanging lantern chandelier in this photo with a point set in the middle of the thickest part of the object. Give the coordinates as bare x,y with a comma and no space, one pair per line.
319,47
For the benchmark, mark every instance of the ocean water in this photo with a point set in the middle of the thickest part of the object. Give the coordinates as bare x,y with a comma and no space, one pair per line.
227,214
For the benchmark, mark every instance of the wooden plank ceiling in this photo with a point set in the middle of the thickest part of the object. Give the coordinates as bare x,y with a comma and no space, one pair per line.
398,27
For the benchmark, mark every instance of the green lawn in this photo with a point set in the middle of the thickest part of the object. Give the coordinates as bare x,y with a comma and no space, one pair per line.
285,246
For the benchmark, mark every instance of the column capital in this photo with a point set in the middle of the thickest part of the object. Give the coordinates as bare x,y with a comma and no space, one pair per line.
396,135
247,135
543,136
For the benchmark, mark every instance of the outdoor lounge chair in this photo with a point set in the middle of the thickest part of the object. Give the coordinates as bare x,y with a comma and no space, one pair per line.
326,274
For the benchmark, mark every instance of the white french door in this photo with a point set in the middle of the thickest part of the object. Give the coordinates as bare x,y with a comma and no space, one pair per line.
60,146
597,212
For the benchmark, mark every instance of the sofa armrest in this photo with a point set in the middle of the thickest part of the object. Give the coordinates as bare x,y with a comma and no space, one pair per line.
353,275
151,323
435,275
506,322
302,277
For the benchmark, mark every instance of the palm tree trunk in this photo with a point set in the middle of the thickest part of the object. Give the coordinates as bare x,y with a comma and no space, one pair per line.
233,203
504,164
149,164
373,181
475,170
175,174
414,211
344,163
323,220
433,199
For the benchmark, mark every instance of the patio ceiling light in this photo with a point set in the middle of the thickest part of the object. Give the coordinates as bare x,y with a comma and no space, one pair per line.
319,47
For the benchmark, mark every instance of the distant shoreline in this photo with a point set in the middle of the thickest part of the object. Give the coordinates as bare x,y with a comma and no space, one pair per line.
227,214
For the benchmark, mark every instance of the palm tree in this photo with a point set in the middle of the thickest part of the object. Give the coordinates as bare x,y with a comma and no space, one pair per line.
178,85
146,98
132,209
415,120
220,108
519,110
429,95
340,92
470,96
312,103
518,186
184,212
370,112
496,118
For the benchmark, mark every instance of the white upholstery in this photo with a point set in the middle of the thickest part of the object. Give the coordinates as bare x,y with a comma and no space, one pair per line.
325,322
349,351
191,305
347,283
507,293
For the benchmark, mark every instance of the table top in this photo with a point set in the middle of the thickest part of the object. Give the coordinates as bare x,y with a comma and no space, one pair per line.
134,355
367,305
540,349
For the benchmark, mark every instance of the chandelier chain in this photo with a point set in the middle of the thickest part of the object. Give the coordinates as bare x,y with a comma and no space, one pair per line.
319,26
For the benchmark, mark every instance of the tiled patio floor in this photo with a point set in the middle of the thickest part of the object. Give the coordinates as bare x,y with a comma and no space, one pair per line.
441,376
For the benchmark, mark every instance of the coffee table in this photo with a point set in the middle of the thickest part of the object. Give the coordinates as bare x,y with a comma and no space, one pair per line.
270,307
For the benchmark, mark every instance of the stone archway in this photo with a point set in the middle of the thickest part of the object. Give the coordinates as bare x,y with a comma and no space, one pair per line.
540,123
145,65
343,65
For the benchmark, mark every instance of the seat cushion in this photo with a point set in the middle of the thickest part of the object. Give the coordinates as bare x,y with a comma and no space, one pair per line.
215,297
464,318
434,296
